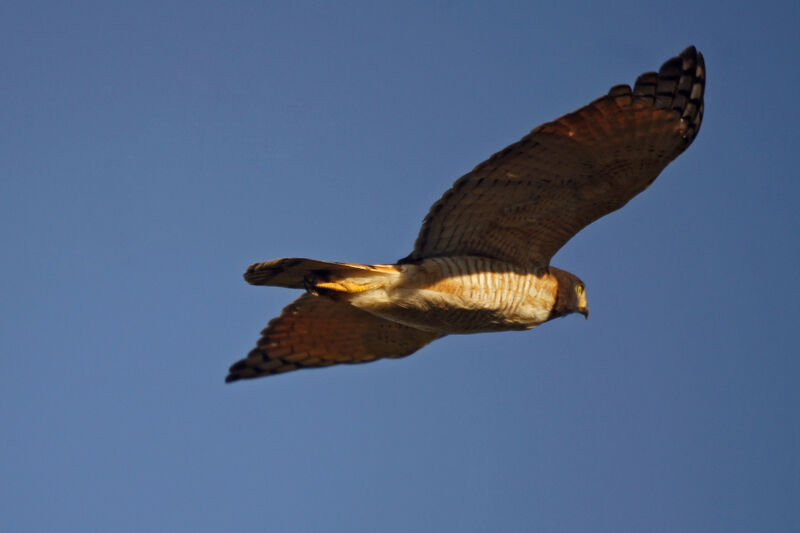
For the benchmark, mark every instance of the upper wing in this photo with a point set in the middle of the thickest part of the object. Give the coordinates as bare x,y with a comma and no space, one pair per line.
527,201
316,331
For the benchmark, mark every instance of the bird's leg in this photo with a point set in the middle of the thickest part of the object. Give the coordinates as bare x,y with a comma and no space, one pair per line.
316,286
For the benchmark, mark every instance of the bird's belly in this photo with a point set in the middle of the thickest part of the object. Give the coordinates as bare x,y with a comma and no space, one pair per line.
437,297
446,313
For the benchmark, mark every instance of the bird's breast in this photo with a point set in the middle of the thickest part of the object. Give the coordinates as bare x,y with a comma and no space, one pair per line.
464,294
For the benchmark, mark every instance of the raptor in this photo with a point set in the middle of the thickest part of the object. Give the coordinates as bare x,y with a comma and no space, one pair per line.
481,262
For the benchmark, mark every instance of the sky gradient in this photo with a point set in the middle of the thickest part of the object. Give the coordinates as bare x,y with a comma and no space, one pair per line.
149,153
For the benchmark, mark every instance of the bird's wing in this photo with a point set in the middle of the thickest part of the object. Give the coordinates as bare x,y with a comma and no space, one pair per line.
526,201
315,331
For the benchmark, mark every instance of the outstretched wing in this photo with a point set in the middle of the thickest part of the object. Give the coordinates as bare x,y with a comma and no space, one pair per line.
315,331
525,202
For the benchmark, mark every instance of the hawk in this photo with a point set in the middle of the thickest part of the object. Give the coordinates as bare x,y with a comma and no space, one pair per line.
481,261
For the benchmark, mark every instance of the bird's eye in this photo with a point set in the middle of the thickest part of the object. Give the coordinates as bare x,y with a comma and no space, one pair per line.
579,289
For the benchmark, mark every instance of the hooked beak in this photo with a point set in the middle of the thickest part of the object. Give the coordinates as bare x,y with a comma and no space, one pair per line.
584,311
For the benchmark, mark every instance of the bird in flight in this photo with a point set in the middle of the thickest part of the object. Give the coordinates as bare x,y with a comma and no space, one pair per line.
481,262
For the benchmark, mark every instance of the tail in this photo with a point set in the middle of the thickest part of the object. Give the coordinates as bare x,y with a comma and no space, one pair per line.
318,276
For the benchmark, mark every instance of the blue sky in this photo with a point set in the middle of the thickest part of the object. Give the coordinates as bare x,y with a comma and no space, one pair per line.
151,151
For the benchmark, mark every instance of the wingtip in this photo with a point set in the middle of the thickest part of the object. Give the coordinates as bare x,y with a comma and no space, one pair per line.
679,85
239,370
692,57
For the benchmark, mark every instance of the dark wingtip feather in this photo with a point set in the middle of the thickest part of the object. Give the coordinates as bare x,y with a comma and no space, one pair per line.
678,85
243,369
690,92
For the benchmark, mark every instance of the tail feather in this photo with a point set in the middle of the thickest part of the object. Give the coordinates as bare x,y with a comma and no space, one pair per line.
297,273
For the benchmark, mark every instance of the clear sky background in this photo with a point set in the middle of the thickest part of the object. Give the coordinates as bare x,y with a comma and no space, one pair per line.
149,152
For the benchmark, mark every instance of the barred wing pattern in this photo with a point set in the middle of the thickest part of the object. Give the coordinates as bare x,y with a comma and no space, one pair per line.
525,202
315,331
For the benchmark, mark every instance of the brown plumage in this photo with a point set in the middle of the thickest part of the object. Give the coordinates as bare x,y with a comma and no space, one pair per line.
315,331
481,260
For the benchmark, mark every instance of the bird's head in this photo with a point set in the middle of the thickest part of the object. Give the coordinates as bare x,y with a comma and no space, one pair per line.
571,295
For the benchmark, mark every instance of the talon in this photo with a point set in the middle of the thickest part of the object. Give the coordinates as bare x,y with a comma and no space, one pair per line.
337,287
310,286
